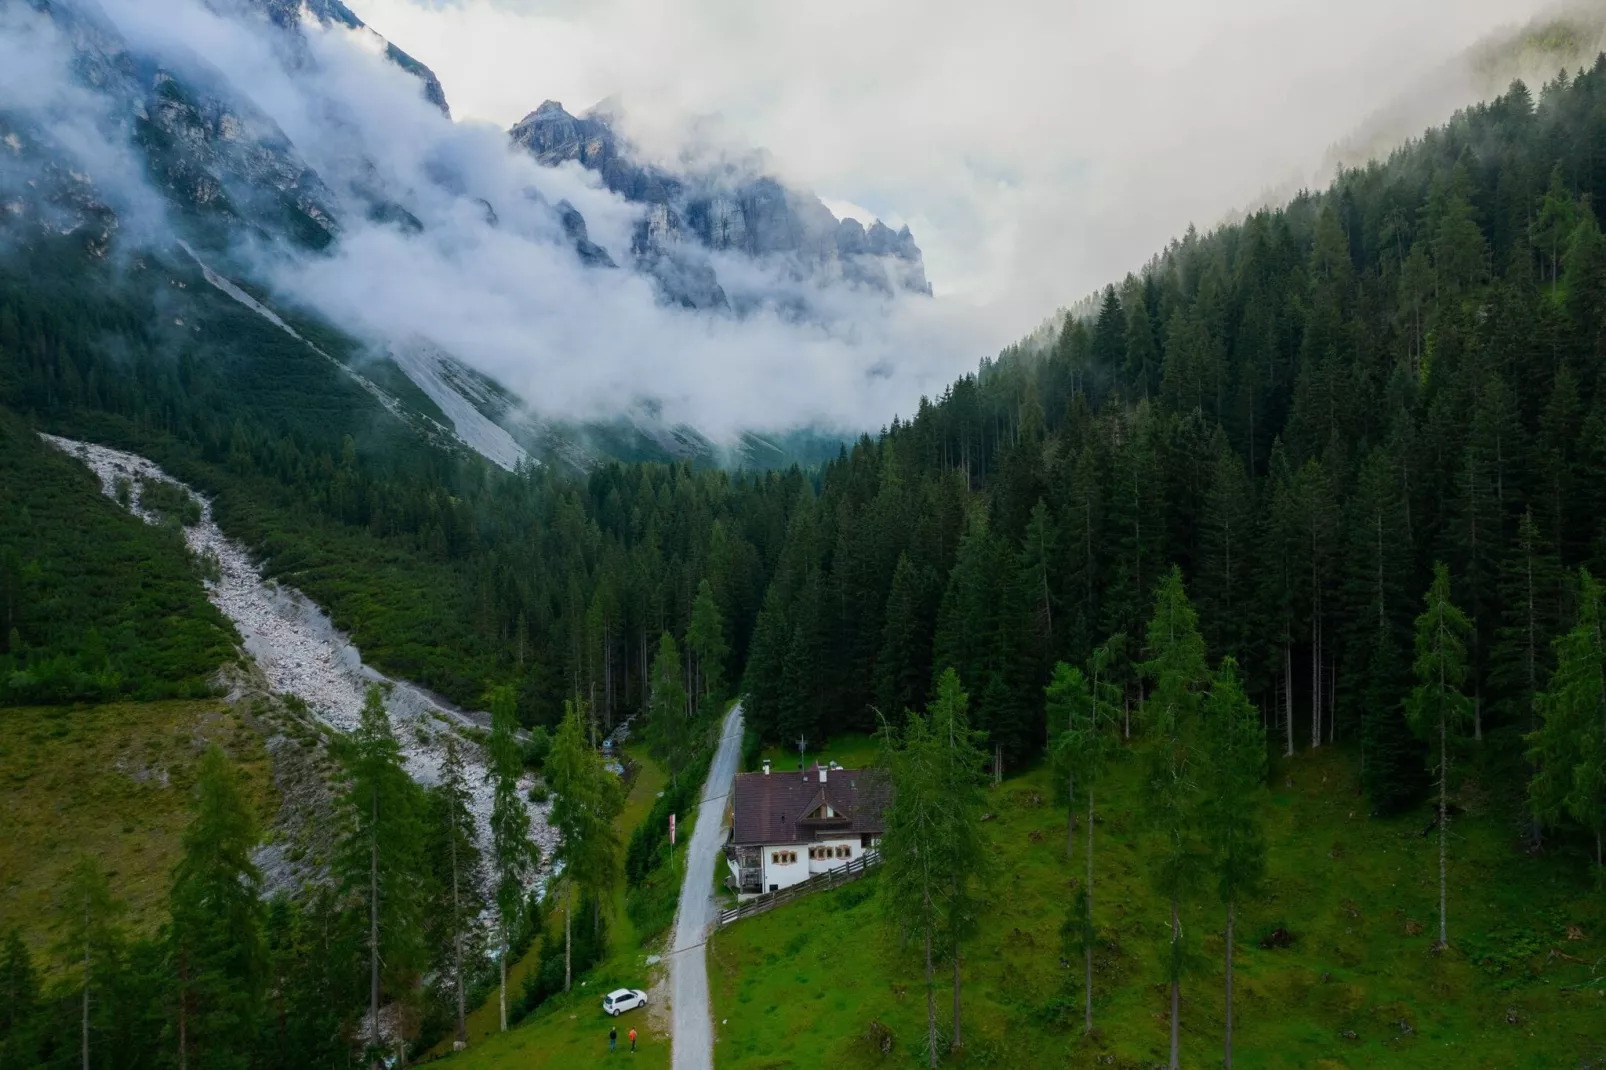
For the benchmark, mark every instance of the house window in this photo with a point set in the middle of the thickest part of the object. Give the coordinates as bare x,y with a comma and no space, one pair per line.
844,851
783,858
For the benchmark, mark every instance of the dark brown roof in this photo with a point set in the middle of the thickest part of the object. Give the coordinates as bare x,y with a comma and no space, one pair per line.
775,807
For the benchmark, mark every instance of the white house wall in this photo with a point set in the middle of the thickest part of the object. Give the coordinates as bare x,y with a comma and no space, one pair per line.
785,875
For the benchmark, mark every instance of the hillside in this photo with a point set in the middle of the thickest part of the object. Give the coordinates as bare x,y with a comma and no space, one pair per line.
801,986
1380,404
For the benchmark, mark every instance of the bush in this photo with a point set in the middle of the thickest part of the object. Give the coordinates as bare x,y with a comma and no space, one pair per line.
536,747
590,945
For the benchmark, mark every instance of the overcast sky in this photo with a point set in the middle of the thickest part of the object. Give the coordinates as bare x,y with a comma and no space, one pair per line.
1037,148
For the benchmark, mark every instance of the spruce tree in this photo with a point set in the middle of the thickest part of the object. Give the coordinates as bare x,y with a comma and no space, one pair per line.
216,933
1176,666
379,861
1226,562
1437,704
705,639
1568,750
19,1005
903,664
1234,791
514,854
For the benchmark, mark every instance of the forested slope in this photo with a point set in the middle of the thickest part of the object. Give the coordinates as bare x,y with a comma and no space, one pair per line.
1304,411
94,603
444,569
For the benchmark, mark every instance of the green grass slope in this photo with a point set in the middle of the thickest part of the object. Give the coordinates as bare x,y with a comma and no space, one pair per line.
113,782
572,1030
1522,986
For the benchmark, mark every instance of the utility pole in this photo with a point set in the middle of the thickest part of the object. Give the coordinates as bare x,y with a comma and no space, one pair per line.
802,748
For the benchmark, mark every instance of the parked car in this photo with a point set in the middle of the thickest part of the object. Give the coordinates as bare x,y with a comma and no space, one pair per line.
623,999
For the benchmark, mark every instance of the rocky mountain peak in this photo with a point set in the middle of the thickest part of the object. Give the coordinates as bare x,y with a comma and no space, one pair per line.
287,15
720,209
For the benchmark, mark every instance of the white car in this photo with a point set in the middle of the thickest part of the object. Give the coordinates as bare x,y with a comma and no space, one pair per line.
623,999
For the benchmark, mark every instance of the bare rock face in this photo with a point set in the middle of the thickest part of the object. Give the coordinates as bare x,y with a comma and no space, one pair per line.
725,211
214,153
287,15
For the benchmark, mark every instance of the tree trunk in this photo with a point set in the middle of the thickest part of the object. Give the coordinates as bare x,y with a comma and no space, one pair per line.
958,1040
568,934
183,1013
84,1037
1444,820
1288,697
501,974
457,940
373,920
1315,685
931,997
1230,919
1087,948
1070,815
1176,988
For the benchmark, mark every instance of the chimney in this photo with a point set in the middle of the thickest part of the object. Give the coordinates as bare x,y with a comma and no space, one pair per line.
822,770
766,767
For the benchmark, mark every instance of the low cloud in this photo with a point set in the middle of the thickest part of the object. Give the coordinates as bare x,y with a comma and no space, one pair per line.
1037,148
1036,152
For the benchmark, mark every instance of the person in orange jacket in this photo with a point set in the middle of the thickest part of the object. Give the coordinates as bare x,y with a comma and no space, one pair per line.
632,1040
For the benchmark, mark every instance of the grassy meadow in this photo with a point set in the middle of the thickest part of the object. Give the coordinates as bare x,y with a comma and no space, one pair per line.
110,781
1524,984
571,1030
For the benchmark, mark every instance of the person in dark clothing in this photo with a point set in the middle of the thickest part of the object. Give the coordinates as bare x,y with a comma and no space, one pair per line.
613,1037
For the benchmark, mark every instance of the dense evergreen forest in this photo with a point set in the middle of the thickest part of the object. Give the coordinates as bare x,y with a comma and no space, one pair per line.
1308,420
1304,411
94,604
445,569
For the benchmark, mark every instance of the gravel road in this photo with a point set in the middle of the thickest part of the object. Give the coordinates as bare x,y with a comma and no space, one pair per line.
688,964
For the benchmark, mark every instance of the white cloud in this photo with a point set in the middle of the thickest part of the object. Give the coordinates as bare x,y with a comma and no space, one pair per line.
1037,147
1035,151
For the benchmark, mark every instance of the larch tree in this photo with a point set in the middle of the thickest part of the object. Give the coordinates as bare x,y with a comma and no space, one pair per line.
1176,666
586,799
216,932
1234,789
91,938
912,848
1082,711
462,857
19,1005
1568,750
1437,706
379,860
963,784
667,724
514,855
705,639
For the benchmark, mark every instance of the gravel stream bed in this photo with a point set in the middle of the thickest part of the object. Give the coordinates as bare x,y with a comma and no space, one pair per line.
300,652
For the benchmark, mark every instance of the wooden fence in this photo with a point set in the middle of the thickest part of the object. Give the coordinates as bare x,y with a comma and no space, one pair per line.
831,878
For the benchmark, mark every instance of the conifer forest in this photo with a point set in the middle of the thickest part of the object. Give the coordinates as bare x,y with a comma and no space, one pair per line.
1329,478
